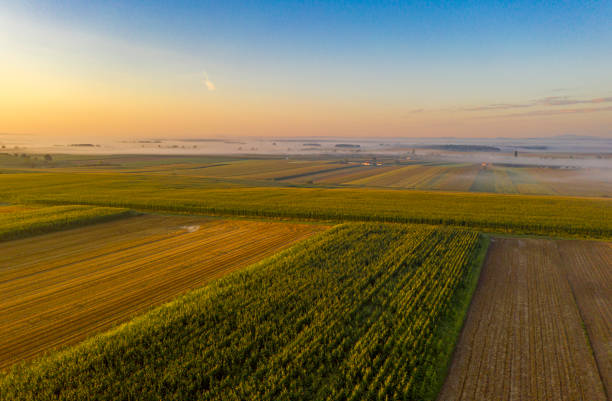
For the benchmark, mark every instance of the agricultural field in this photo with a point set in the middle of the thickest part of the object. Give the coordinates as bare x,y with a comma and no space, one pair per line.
421,176
459,177
560,216
524,336
59,288
587,266
361,311
208,305
579,182
18,221
333,172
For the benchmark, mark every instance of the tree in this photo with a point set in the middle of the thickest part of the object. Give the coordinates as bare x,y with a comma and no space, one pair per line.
48,157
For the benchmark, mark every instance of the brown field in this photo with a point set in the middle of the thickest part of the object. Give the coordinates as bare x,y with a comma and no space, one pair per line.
523,338
59,288
588,266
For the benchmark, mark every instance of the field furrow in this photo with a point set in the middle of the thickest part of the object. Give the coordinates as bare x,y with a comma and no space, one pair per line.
588,269
95,277
523,337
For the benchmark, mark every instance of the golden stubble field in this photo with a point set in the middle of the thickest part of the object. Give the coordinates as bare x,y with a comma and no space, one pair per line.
523,338
59,288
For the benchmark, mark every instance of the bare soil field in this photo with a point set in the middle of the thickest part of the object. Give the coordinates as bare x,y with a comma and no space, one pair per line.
59,288
588,266
523,338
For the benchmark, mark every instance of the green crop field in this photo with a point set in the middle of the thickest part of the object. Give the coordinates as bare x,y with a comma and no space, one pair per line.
17,222
370,309
547,215
362,311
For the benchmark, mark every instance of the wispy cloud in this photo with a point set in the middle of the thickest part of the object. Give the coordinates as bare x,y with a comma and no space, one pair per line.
564,100
211,87
546,106
546,101
497,106
553,112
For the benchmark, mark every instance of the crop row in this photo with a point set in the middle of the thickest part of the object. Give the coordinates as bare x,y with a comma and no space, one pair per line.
502,213
352,313
29,221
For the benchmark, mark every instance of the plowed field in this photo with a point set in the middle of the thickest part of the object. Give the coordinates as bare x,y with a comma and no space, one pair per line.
523,338
588,266
58,288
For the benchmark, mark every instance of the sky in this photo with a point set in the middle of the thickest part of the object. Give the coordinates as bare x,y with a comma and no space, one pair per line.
181,69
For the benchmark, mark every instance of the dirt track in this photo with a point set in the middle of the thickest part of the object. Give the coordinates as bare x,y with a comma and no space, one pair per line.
58,288
523,338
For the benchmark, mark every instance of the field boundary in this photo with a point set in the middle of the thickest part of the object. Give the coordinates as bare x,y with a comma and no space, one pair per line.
451,325
522,230
61,288
305,306
50,225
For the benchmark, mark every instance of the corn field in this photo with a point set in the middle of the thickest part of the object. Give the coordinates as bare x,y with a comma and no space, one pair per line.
360,311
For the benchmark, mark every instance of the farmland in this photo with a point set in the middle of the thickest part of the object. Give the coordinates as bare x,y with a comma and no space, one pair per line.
352,313
20,221
523,338
560,216
59,288
587,267
208,305
329,171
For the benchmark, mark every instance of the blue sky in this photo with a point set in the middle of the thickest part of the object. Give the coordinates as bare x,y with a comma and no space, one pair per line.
326,68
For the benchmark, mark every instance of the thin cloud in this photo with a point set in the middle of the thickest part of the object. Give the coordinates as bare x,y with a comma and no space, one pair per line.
540,113
546,101
497,106
209,85
564,101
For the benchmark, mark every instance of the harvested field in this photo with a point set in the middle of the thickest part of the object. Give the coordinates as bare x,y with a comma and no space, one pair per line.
59,288
588,266
386,178
457,177
523,337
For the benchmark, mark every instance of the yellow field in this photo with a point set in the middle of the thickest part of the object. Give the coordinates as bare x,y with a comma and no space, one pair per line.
58,288
14,208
